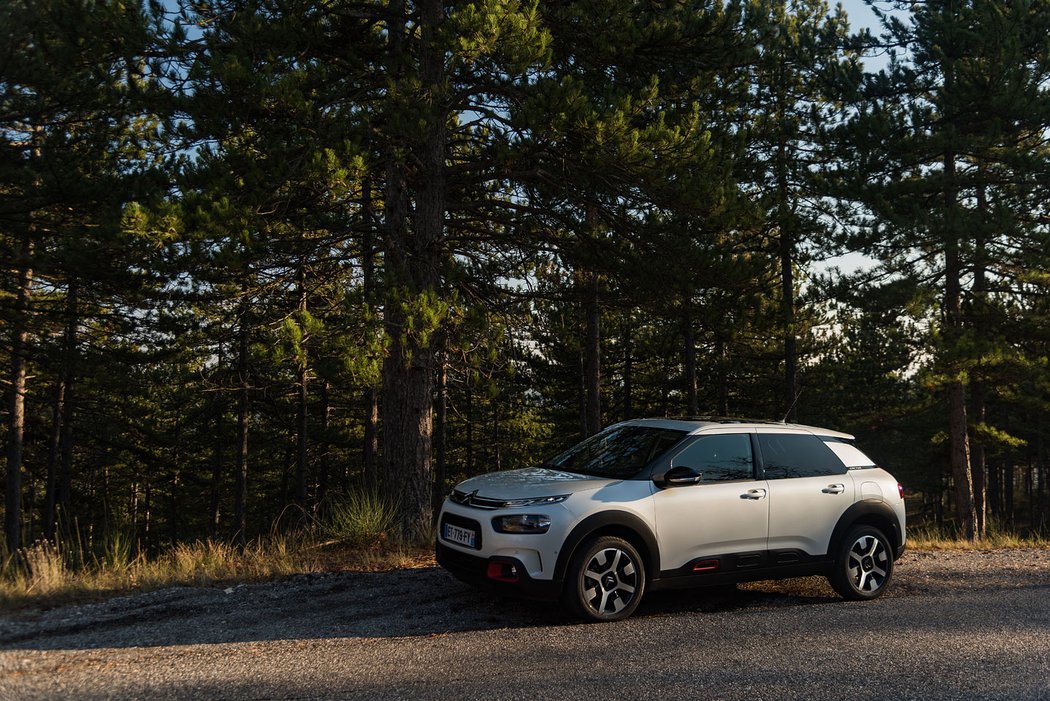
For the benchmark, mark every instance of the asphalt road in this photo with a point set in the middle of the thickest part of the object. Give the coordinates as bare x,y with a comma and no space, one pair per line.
955,626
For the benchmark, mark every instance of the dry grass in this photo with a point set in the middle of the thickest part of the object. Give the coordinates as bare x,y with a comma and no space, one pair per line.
352,535
941,538
45,578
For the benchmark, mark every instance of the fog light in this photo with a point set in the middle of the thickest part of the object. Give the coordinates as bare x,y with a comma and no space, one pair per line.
501,571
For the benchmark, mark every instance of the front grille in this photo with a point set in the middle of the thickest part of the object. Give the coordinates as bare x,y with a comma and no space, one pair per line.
472,499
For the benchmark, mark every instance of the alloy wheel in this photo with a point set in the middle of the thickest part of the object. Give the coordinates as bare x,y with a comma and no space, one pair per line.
610,581
868,565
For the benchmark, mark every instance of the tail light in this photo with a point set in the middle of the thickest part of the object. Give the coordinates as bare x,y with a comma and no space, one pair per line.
900,490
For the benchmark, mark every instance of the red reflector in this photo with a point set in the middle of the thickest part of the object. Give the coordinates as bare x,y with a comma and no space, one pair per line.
900,489
503,572
705,566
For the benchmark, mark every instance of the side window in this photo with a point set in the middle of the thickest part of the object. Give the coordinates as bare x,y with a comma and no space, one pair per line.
797,455
719,458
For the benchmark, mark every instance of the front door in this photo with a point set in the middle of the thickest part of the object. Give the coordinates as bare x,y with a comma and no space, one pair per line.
727,511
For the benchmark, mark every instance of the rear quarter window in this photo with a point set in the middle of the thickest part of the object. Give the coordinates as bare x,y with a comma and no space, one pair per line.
850,455
787,455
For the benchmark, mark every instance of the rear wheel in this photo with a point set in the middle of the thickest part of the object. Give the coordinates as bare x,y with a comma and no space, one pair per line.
864,566
606,580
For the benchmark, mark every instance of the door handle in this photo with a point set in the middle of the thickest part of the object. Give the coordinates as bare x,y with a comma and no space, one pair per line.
834,489
754,494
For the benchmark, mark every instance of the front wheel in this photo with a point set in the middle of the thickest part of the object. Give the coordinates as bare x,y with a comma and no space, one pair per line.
606,580
864,565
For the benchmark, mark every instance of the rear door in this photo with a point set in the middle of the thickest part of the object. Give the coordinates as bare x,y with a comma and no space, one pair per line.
726,512
809,489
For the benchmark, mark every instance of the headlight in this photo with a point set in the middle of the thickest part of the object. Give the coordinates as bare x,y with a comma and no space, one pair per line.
533,501
522,523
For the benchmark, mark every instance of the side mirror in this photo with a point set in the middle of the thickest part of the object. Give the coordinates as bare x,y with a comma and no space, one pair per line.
680,476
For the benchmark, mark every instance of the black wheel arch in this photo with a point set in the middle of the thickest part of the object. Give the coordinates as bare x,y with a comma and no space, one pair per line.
870,512
622,524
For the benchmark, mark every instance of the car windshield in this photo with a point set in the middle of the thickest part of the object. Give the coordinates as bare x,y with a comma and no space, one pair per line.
618,452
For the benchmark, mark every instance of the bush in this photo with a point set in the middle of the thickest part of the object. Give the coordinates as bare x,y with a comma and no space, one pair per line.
361,518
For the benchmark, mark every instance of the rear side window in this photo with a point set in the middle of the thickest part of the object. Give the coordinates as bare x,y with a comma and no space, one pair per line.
719,458
797,455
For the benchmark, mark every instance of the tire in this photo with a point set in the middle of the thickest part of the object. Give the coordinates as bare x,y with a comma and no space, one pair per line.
606,580
864,566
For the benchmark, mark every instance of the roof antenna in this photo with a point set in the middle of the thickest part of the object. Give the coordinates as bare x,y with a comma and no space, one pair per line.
793,403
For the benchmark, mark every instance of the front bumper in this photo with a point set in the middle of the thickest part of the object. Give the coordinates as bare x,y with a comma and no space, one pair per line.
474,569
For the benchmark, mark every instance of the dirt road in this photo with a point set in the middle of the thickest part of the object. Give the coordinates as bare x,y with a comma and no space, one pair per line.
956,625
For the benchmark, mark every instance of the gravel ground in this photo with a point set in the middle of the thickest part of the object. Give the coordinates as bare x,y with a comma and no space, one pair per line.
954,625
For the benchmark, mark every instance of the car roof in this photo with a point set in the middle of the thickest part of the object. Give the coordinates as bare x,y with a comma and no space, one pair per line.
696,424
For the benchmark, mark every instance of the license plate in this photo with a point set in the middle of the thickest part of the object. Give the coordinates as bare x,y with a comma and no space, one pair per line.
463,536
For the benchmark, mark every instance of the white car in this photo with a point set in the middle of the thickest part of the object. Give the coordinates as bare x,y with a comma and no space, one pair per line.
667,503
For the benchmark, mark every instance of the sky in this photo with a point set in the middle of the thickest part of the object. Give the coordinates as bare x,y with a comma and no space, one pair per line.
860,15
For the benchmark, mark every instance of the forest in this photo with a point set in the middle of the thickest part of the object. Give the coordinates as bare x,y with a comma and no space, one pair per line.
260,255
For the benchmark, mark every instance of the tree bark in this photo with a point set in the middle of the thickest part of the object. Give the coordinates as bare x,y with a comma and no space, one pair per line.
786,228
302,408
692,405
16,401
723,378
60,457
369,474
592,407
64,493
978,467
1008,493
412,266
240,474
957,414
218,448
440,418
173,503
47,515
324,459
628,373
469,429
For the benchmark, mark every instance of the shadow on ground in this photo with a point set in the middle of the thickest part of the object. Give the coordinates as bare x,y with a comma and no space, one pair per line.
420,602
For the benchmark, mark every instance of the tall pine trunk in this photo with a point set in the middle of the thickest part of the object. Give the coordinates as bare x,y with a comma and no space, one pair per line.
17,396
628,372
722,361
591,362
302,407
218,448
70,362
692,405
786,244
412,265
47,515
240,475
953,319
440,418
60,457
324,473
978,391
370,450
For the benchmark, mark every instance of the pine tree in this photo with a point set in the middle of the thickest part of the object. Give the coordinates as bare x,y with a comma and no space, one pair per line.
75,109
933,163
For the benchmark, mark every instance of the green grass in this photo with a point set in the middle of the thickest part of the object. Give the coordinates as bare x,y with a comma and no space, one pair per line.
360,519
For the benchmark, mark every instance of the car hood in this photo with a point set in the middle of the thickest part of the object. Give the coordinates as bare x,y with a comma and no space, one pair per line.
530,482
